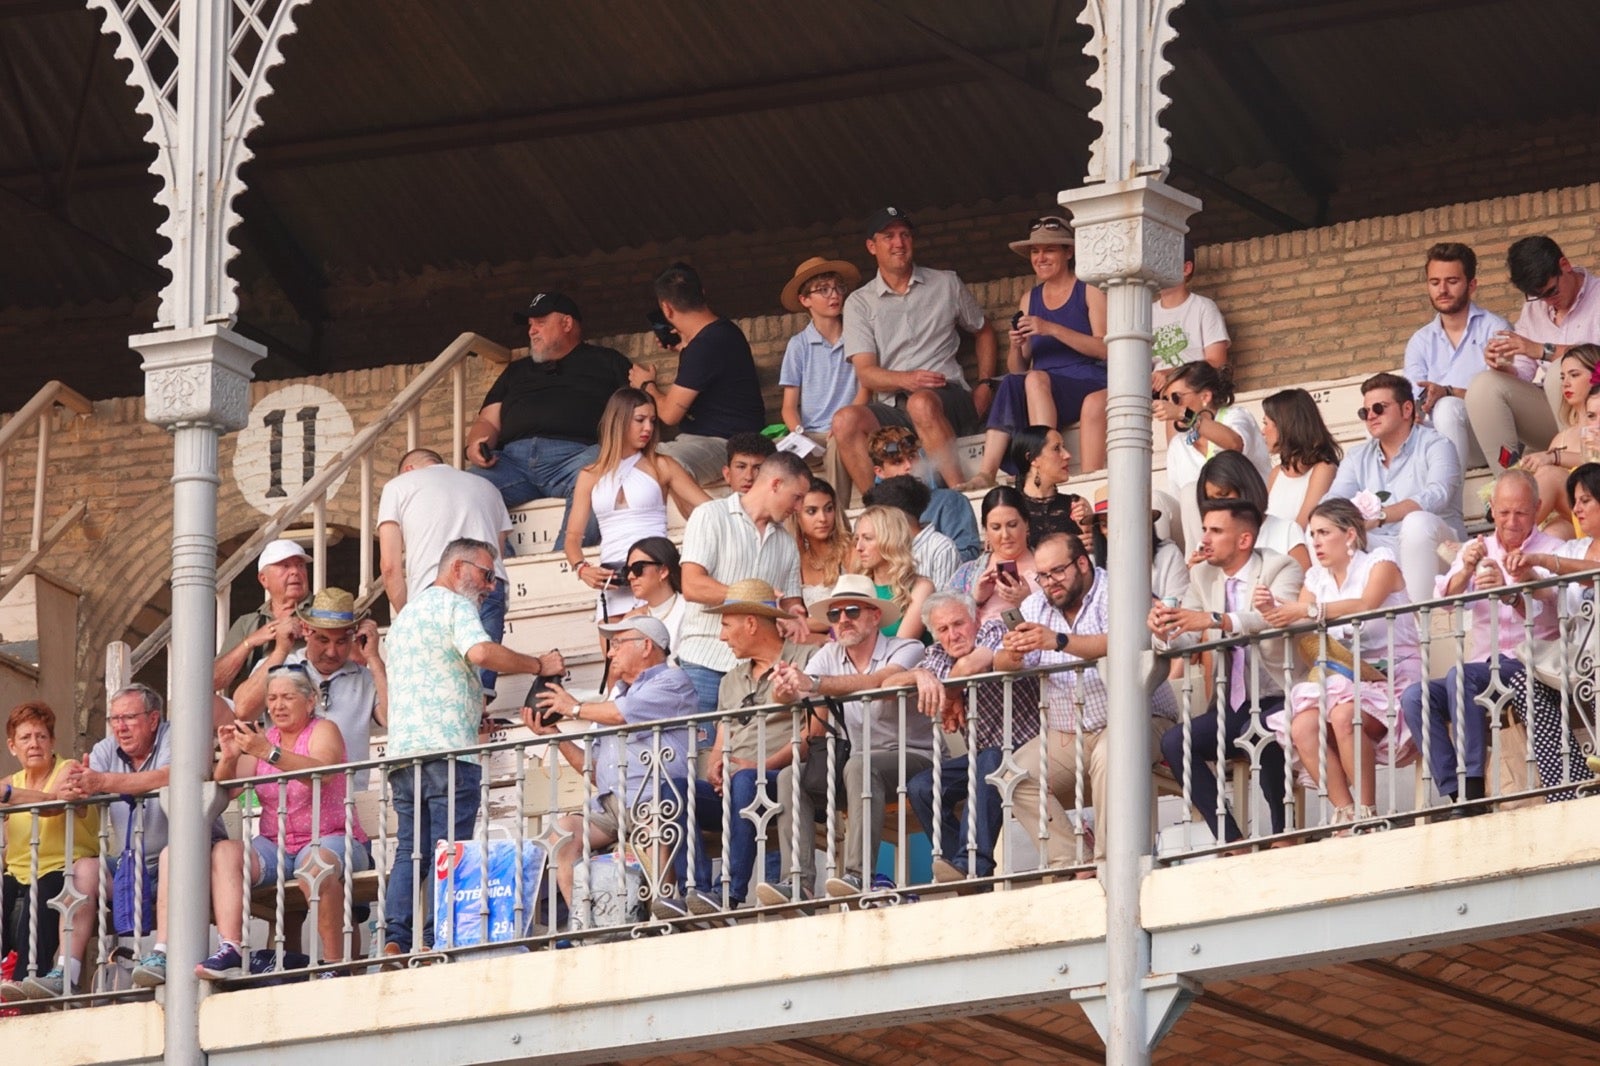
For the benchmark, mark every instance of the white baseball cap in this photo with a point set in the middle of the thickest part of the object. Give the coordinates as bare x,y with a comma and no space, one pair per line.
277,551
644,625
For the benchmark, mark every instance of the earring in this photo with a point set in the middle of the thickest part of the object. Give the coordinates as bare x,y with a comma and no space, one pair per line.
1038,482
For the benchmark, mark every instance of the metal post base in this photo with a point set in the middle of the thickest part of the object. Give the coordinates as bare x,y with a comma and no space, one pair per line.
1166,997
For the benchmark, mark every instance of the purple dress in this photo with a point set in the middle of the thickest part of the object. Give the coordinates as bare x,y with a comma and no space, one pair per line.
1073,375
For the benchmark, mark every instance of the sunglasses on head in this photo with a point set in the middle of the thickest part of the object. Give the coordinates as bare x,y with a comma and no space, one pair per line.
1376,410
851,611
637,569
893,447
1054,225
289,668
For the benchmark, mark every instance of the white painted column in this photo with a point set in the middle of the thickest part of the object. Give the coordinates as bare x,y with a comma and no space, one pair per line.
197,385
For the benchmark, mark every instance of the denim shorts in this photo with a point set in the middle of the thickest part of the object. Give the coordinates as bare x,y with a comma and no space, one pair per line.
267,852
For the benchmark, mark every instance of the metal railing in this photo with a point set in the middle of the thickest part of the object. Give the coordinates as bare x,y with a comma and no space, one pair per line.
313,496
40,412
781,817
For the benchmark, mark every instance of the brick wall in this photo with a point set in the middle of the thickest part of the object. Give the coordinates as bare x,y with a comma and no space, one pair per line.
1307,305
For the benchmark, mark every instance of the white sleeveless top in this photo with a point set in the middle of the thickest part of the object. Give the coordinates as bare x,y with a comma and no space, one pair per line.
1288,494
1407,665
644,513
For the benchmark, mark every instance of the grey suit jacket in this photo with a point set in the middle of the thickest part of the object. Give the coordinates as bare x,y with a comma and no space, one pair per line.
1208,591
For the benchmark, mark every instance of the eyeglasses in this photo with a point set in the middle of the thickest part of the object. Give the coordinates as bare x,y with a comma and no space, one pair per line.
628,640
1054,225
851,611
637,569
486,571
826,290
1548,293
124,719
1056,575
1376,410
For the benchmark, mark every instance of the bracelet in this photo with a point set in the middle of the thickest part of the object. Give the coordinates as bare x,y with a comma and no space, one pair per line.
578,569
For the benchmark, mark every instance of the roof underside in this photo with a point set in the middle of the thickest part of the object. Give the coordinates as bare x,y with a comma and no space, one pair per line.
419,136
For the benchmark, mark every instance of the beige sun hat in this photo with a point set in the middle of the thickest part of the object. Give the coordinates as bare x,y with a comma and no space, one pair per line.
1047,229
790,298
856,588
750,595
330,609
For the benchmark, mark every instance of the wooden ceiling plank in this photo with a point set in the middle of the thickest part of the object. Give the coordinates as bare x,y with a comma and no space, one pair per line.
1471,996
1034,1035
1220,1005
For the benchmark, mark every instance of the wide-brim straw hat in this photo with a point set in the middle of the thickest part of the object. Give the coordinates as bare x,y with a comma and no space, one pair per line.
750,595
856,588
810,269
330,609
1048,229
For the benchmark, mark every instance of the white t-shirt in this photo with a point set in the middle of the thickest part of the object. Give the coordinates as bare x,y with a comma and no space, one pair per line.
435,505
1181,334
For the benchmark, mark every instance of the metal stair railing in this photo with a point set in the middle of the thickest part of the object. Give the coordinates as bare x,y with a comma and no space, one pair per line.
39,411
313,496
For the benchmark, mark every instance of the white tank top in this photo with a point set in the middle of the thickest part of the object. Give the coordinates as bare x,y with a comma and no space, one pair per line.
641,512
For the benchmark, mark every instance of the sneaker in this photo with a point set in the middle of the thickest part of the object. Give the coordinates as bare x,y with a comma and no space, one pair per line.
326,975
704,905
776,895
945,871
12,992
848,885
666,908
151,971
47,986
221,966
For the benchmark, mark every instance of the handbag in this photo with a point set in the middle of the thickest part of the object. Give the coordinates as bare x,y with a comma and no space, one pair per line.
1339,660
133,886
814,770
1573,669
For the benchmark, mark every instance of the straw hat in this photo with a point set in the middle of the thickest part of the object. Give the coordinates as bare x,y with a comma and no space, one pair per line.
750,595
810,269
1049,229
330,609
856,588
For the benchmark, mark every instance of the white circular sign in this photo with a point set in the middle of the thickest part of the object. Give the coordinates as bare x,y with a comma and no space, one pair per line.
291,436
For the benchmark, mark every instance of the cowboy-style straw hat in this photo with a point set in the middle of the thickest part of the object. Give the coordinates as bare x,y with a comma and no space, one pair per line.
750,595
330,609
1048,229
810,269
856,588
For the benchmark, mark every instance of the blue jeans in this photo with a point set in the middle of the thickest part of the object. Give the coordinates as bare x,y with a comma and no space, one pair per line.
492,614
738,839
1469,721
953,791
706,682
541,468
423,794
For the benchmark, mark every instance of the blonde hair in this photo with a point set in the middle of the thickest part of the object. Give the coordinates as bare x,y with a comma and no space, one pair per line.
835,551
894,545
613,431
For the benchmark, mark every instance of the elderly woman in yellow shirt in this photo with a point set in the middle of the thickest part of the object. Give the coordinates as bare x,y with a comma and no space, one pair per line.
34,877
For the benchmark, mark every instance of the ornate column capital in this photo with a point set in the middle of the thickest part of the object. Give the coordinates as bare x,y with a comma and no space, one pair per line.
197,377
1130,230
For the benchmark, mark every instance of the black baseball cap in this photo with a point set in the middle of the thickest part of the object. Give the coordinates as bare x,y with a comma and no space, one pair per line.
882,218
547,303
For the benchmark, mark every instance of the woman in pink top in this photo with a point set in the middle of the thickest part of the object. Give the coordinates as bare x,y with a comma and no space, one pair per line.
294,742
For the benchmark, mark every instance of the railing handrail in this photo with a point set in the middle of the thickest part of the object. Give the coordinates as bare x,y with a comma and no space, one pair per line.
38,412
404,402
49,395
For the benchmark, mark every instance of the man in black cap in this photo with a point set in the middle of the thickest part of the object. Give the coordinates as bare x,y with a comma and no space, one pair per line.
901,333
537,427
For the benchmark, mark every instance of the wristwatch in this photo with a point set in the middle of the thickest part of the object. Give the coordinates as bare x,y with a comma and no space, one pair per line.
1061,641
1383,516
274,755
1216,620
1549,351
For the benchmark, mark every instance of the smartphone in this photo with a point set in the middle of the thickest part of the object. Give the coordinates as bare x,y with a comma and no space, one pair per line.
1016,322
1007,568
1012,617
666,336
1509,457
483,450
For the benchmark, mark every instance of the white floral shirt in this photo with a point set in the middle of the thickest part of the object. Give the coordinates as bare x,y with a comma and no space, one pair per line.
435,697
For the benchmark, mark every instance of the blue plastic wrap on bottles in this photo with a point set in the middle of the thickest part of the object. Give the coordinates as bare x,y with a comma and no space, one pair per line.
460,920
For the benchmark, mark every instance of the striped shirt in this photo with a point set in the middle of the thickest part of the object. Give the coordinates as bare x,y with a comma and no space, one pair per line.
721,537
990,727
1076,700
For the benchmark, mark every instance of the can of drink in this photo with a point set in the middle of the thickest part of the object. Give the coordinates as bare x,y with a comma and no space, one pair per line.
1169,601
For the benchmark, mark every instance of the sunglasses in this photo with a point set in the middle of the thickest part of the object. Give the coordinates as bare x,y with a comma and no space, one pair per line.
1054,225
486,571
895,447
637,569
1376,410
852,612
289,668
